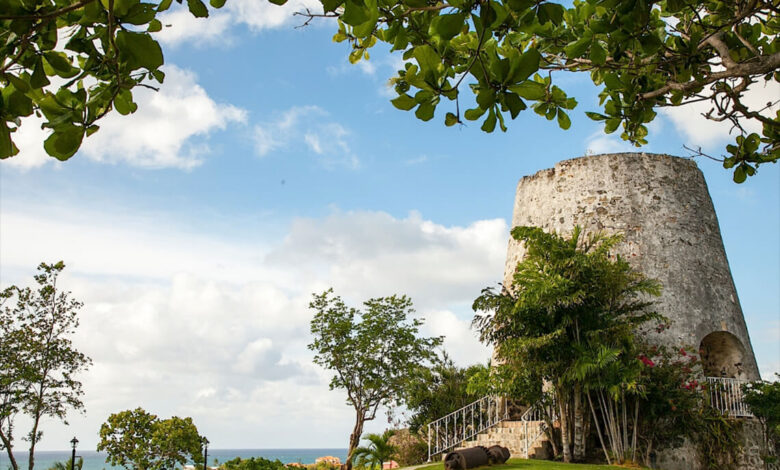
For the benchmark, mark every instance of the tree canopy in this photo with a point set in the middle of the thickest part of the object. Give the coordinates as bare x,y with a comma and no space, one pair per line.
138,440
569,315
372,352
74,61
39,366
432,392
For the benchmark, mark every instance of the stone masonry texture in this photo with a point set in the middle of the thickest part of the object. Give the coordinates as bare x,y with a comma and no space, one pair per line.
661,205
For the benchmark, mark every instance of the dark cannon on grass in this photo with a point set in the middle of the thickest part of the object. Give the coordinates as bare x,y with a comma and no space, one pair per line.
473,457
497,455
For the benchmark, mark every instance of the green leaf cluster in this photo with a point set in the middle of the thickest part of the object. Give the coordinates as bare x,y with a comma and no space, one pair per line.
138,440
643,55
71,62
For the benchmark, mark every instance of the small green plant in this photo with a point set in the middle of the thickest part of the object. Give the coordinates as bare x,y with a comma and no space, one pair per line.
66,465
377,452
763,399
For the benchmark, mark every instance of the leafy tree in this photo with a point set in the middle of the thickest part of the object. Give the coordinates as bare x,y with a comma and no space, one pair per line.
38,363
433,392
644,55
138,440
371,351
377,452
570,300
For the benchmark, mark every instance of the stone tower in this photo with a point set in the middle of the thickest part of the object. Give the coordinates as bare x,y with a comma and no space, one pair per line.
662,207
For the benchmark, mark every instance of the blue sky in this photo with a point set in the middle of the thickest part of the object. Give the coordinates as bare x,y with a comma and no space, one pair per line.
268,168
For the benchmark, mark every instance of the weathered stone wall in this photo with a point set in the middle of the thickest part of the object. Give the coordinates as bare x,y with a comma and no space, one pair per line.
750,458
661,205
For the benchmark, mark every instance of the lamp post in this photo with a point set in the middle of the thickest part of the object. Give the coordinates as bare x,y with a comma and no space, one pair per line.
205,452
73,443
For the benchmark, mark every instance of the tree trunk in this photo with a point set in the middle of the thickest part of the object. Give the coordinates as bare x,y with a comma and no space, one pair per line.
565,441
579,425
9,449
636,426
354,438
648,452
550,431
33,441
598,430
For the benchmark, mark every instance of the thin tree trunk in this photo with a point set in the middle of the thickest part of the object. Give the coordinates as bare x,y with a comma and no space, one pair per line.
550,431
579,425
598,430
625,426
636,425
354,438
614,425
33,441
9,450
565,441
607,421
649,451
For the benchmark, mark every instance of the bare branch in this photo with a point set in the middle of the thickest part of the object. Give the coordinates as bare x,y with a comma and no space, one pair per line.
310,16
762,66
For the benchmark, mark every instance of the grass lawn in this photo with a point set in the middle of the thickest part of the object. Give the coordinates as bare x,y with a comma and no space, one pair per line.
522,464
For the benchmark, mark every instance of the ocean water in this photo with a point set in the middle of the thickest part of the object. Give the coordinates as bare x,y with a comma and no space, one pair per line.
97,460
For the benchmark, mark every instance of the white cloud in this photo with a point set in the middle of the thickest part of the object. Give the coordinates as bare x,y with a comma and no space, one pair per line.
29,139
599,142
180,27
368,67
460,341
417,160
711,135
310,126
265,15
254,14
214,328
166,129
169,130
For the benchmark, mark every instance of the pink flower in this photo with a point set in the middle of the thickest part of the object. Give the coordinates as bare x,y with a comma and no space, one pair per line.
682,351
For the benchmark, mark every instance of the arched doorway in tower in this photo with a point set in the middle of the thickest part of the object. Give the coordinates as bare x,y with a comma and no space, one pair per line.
722,355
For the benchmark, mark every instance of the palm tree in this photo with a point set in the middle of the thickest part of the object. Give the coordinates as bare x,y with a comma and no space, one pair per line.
66,465
377,452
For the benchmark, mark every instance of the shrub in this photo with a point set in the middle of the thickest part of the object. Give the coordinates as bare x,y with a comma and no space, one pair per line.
763,399
412,449
253,463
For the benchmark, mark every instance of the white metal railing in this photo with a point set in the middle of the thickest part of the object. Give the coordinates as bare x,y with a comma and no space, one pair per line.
465,423
534,413
725,395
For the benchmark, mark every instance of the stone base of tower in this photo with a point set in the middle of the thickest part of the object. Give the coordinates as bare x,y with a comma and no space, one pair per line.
686,457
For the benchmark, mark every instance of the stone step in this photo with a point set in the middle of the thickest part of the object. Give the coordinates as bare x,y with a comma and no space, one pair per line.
512,434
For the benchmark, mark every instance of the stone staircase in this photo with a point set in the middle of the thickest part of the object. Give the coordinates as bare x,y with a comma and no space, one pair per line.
524,439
